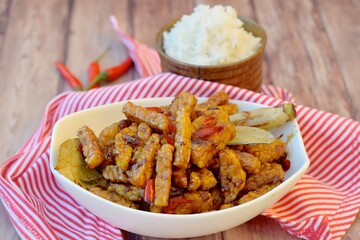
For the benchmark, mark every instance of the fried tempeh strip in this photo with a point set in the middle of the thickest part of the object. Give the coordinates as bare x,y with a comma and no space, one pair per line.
142,170
94,156
230,108
203,151
232,176
267,152
163,175
143,133
184,101
113,197
210,117
122,148
127,191
190,202
140,114
114,174
257,192
219,98
249,162
107,139
269,173
182,140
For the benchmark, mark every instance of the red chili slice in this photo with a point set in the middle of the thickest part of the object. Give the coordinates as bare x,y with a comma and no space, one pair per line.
155,109
168,138
149,192
207,132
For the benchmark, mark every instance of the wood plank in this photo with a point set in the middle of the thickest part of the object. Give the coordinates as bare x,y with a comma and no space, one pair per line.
299,51
131,236
4,16
148,17
343,27
31,38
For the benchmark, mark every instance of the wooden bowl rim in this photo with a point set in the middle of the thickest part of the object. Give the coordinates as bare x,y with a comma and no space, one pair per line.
166,27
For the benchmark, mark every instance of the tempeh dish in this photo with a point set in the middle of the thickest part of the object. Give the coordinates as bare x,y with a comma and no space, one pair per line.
182,158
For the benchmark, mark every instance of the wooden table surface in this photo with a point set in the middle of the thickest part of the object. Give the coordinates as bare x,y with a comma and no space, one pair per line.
313,51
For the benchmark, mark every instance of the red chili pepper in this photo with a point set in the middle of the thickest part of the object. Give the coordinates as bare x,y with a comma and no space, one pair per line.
205,133
149,192
113,73
70,78
155,109
94,68
168,138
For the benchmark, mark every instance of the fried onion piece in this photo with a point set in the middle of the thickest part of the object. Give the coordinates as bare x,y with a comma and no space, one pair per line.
94,156
232,176
140,114
163,175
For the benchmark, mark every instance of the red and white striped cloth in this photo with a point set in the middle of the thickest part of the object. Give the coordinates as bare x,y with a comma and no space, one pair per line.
322,205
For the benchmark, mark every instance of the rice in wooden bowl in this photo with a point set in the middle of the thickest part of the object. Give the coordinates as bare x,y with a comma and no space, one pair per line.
214,45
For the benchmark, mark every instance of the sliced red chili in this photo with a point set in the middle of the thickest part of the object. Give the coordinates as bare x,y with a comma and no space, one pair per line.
155,109
172,128
168,138
149,192
207,132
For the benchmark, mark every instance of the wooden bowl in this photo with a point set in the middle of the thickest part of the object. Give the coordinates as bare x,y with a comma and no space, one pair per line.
246,73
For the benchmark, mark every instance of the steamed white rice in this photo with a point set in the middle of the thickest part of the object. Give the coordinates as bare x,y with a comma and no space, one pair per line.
210,36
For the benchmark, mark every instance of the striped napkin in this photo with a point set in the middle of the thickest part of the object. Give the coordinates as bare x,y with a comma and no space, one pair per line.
322,205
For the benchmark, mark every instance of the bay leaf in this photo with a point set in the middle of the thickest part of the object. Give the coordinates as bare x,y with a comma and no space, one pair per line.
71,163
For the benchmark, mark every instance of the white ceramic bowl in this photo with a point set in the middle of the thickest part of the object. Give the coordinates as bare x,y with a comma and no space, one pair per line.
166,225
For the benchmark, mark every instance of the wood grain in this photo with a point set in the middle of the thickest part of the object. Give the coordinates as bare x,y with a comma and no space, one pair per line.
313,51
28,81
